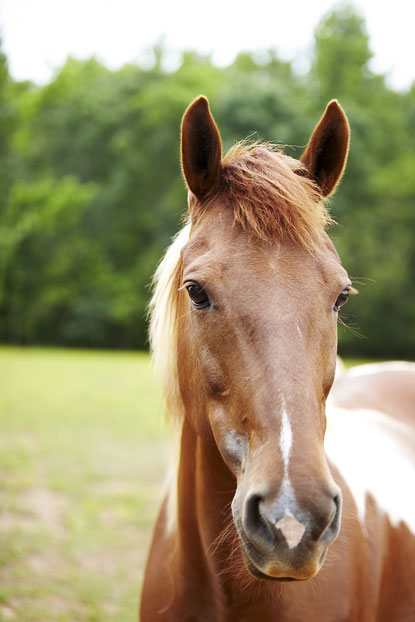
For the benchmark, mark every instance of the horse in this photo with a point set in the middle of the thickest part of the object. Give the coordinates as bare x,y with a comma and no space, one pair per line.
284,504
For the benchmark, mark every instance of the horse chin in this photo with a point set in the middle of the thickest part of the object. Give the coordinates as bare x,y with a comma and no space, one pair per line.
266,568
261,575
276,573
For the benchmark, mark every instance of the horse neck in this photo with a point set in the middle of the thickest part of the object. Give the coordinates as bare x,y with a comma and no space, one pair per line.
205,491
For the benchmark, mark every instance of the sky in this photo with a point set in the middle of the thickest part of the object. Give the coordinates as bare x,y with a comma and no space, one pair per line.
38,35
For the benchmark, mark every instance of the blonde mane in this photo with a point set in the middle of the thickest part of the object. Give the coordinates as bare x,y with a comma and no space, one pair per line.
163,325
272,198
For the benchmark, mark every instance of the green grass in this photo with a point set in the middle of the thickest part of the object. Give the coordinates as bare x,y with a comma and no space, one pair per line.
82,461
83,453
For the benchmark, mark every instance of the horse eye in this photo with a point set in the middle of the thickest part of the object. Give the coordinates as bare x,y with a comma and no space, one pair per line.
198,296
341,299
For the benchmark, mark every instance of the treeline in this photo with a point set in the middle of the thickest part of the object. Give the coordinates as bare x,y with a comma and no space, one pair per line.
91,190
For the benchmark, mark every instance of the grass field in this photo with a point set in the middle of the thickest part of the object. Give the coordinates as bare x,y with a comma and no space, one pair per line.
83,453
82,461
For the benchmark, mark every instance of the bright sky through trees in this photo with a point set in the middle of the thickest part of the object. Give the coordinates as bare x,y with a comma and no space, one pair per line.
39,34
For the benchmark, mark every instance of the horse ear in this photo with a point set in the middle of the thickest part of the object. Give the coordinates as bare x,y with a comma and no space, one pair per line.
326,153
201,148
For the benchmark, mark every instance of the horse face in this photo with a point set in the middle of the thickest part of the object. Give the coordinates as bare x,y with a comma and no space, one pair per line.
260,329
257,337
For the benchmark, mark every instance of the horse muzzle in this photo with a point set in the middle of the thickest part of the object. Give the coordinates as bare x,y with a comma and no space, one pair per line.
282,541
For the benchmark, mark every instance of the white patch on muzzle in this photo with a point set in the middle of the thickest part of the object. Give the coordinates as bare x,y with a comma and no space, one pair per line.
292,529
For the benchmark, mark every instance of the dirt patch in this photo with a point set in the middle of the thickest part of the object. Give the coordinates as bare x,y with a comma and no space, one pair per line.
6,613
47,507
14,520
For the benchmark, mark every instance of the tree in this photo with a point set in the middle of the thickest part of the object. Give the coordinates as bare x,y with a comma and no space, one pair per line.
91,190
373,205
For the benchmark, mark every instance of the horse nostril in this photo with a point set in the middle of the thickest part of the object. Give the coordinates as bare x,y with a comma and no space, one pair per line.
255,524
252,514
332,530
338,503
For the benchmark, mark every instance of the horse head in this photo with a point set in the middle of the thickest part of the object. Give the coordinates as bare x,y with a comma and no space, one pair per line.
259,288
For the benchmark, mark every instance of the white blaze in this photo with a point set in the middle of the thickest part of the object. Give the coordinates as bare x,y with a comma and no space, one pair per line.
286,438
291,528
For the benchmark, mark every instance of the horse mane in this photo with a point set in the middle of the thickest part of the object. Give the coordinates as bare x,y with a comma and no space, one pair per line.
271,194
272,198
163,310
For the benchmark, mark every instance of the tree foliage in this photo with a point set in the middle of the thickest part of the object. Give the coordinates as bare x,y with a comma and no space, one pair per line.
91,190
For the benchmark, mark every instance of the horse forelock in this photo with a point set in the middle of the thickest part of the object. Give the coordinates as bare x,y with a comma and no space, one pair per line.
271,194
